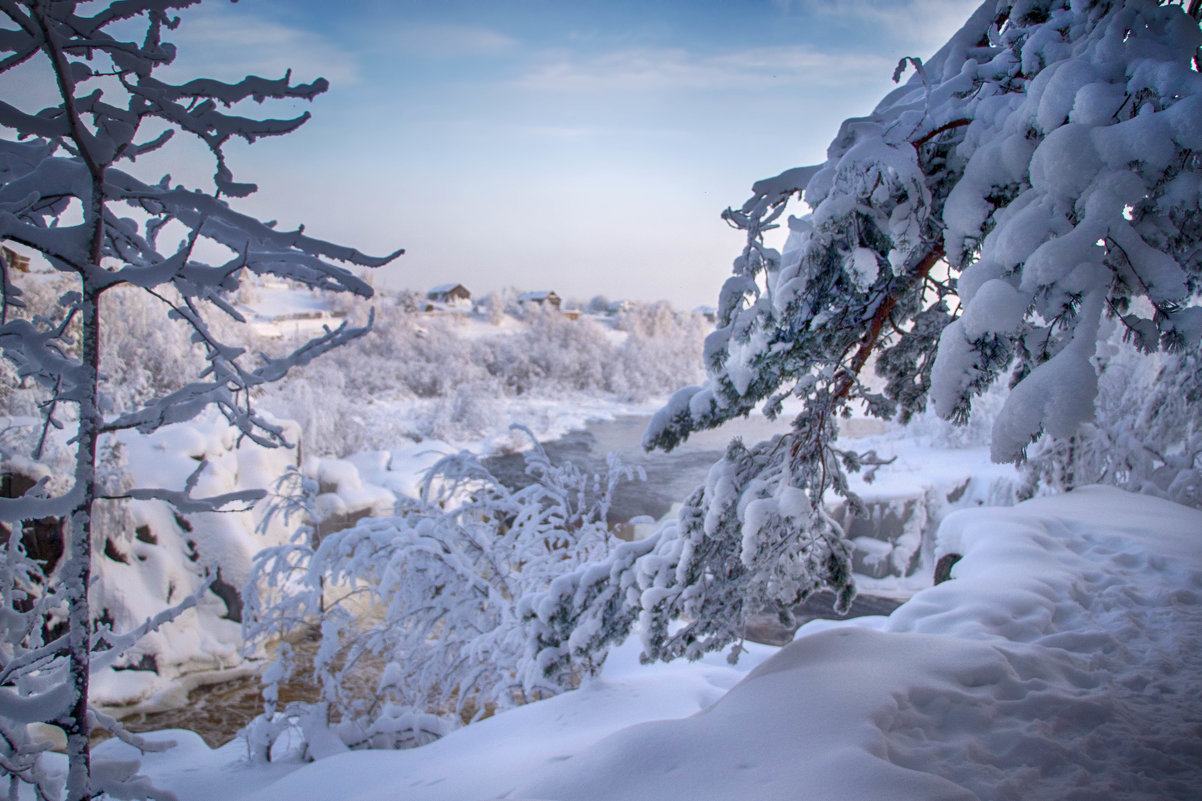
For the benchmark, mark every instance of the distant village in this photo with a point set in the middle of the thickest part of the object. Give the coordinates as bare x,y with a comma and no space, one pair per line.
456,297
452,297
306,309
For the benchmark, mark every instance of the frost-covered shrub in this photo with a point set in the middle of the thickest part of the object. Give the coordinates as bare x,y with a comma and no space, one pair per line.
661,348
1146,435
567,353
429,598
143,354
463,414
20,397
461,380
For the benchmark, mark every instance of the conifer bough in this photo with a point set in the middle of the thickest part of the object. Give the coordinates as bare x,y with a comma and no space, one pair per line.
1034,184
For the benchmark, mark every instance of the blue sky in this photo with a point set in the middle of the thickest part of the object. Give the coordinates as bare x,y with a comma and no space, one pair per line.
584,147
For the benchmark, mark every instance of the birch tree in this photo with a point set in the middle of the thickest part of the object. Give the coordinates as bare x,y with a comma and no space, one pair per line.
70,193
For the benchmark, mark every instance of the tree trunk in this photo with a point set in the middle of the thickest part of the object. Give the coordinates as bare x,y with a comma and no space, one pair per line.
77,570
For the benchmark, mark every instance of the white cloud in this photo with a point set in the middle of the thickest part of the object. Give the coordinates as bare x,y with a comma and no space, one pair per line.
228,43
426,39
905,27
921,25
650,69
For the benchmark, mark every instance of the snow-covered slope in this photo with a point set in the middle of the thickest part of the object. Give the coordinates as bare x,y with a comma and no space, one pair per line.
1064,660
160,555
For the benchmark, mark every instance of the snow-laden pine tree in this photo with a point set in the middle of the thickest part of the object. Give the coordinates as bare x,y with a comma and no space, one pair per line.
1040,174
71,193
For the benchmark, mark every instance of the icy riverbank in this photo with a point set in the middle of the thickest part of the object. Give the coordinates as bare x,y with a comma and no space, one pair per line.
925,478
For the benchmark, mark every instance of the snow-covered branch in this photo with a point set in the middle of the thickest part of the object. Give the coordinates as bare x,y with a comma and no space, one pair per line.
436,591
69,192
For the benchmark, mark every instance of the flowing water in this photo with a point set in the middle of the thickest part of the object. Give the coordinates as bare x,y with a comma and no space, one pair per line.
670,476
217,712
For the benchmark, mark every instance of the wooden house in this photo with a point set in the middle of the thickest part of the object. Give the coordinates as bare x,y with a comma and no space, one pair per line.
448,293
542,298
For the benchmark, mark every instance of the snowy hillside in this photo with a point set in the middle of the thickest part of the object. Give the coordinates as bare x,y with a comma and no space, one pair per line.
420,386
1064,660
466,373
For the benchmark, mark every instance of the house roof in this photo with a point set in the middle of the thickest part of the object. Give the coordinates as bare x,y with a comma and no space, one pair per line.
449,293
540,295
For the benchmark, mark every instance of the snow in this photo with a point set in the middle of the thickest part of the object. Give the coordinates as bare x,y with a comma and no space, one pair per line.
279,310
863,267
473,328
204,644
1063,660
1058,394
277,299
340,480
536,296
468,375
168,555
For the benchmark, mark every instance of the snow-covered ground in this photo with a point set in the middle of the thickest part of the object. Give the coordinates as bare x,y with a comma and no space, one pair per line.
1064,660
276,310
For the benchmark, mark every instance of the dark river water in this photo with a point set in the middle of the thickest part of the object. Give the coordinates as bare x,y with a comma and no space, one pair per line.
670,476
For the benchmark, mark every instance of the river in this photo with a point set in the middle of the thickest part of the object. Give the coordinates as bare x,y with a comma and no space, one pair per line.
670,476
218,711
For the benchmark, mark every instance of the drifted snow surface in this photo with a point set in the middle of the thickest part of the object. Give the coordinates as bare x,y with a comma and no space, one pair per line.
1063,661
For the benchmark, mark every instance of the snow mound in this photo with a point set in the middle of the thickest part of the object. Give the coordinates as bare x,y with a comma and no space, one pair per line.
1064,660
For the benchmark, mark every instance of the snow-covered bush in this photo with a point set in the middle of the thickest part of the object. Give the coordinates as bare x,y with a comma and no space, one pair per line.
418,613
21,396
461,379
1043,170
661,347
1146,435
148,355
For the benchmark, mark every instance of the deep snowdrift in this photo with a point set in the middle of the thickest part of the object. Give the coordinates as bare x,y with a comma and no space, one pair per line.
1064,660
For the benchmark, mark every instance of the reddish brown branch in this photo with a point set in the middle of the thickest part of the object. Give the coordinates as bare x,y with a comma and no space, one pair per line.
847,379
922,140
